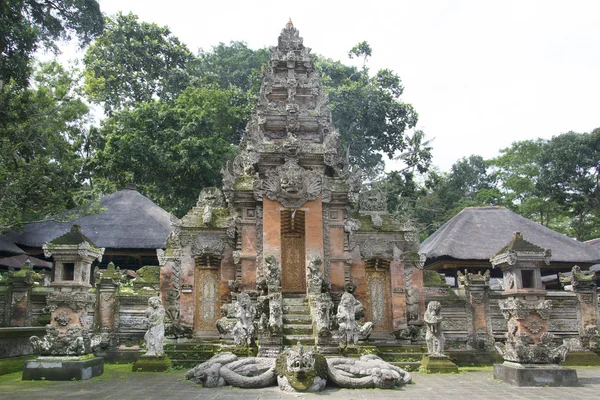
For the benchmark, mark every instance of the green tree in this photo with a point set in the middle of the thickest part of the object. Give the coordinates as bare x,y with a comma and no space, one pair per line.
520,172
135,62
170,149
28,25
367,110
42,136
230,66
570,165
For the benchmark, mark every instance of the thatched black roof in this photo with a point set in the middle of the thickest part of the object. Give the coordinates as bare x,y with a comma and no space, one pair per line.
477,233
8,247
130,221
20,260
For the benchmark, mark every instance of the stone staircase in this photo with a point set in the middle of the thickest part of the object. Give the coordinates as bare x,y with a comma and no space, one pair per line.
407,357
297,322
190,353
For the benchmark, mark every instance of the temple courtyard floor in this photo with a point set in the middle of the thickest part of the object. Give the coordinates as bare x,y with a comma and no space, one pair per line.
118,382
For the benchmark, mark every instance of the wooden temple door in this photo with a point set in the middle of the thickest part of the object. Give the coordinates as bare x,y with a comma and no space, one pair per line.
206,285
378,295
293,252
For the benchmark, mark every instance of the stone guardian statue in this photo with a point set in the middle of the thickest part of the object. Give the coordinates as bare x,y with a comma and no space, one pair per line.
155,335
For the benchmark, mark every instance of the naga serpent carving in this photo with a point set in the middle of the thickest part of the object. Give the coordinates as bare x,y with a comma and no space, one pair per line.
298,369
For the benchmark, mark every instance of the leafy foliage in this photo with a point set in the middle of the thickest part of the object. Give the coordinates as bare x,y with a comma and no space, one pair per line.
27,25
42,136
169,149
135,62
367,111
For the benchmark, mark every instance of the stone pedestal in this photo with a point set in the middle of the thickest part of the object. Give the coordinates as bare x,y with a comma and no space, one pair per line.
62,368
438,364
535,374
151,364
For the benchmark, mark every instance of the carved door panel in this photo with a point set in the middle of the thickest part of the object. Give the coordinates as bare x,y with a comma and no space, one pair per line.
207,299
378,300
293,253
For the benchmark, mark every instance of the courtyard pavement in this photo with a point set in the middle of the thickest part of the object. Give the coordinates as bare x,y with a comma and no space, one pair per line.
119,383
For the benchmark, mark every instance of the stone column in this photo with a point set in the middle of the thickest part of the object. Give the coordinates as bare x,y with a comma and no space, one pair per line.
587,299
20,284
107,310
476,288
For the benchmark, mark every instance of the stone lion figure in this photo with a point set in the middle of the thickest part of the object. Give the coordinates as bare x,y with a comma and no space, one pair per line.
301,369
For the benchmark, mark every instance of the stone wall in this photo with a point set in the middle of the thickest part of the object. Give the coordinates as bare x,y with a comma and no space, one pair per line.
466,329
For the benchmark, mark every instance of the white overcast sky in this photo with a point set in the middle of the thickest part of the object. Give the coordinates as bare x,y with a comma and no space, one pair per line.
481,74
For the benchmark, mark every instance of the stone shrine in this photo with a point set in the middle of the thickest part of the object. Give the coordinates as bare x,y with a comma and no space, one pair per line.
68,336
530,356
291,229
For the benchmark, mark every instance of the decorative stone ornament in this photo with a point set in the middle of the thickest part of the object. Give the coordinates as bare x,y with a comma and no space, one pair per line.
298,369
527,312
292,185
68,333
434,335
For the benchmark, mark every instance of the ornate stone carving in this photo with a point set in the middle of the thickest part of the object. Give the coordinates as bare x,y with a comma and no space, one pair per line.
155,335
205,244
434,335
300,370
348,329
372,200
520,308
273,271
226,369
314,277
245,312
74,342
292,185
172,310
321,307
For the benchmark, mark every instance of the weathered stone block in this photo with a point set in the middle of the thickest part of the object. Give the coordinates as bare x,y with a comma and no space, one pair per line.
151,364
436,364
62,368
535,374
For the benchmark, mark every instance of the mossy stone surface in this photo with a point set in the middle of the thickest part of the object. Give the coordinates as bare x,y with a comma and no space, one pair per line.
151,364
438,365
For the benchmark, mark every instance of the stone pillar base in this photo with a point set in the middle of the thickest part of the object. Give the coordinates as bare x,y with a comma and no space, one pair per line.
438,364
62,368
535,374
151,364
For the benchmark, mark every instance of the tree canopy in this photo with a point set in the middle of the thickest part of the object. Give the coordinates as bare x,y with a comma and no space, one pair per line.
172,119
28,25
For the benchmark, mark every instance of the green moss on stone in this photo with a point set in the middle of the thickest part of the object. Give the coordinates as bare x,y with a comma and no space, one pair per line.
244,182
148,273
433,278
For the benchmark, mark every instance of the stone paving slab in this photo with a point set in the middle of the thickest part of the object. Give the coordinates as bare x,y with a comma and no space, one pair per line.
119,383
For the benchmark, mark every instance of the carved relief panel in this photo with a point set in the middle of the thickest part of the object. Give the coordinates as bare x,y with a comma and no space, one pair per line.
378,299
207,293
293,251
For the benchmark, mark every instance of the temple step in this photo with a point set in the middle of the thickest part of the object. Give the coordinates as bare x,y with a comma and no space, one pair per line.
297,329
295,301
294,339
297,319
296,309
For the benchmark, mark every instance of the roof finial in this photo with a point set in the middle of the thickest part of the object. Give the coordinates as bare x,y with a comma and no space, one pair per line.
289,24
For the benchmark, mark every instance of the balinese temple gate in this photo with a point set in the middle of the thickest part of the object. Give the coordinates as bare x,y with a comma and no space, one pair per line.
292,213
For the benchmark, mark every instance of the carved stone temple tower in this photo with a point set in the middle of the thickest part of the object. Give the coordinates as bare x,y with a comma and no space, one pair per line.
290,198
